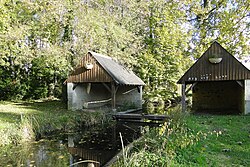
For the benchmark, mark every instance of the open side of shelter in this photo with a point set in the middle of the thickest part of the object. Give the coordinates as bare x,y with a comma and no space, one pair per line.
99,80
218,81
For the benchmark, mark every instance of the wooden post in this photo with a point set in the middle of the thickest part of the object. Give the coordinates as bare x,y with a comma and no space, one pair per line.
113,95
183,98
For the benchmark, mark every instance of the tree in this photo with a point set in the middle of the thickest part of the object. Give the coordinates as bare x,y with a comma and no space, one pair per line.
224,21
166,46
42,40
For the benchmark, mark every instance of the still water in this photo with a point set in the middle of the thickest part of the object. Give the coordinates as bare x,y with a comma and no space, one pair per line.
96,144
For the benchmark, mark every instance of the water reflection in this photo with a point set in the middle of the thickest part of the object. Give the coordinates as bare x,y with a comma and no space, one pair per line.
100,146
42,154
79,149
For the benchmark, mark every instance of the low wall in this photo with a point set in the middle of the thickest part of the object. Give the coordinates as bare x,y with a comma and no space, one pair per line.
82,94
127,96
93,95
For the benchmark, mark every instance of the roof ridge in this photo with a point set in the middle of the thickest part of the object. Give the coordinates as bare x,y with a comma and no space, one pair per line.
100,55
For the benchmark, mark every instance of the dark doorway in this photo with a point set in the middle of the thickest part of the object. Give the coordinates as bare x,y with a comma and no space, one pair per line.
221,97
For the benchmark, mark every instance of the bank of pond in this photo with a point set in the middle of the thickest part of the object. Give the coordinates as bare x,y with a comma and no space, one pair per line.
94,145
44,133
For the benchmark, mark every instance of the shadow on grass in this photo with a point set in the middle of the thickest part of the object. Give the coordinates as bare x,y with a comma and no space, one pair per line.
13,112
10,117
44,106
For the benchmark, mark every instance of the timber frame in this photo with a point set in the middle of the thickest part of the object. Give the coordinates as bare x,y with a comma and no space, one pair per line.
227,71
115,82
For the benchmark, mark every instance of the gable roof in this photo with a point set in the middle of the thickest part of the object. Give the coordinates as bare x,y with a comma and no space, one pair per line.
114,70
203,70
119,73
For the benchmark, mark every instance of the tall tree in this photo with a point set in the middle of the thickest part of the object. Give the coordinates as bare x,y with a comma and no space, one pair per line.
225,21
164,59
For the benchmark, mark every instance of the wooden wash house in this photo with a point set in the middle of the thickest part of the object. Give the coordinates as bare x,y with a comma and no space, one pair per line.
219,83
99,80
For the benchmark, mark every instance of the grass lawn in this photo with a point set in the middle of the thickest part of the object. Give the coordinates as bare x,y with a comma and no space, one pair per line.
194,140
11,112
28,120
227,142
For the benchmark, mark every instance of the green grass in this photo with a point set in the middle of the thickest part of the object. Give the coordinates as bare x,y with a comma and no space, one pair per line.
194,140
22,121
186,140
228,139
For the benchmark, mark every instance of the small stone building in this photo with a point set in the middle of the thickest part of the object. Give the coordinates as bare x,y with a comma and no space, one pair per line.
99,80
219,83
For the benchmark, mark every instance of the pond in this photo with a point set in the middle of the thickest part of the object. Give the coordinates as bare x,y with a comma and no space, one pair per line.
62,150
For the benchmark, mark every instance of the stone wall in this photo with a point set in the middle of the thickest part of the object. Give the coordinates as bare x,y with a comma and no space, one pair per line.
218,96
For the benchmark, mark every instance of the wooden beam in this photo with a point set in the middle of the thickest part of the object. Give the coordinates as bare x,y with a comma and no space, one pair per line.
240,83
88,87
183,98
191,87
75,85
151,117
129,91
106,86
139,89
114,89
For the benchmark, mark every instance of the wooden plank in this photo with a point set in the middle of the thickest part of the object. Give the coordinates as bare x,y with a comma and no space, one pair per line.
183,98
96,74
150,117
229,69
128,116
156,117
114,89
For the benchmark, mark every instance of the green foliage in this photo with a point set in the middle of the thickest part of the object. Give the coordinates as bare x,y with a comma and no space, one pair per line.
41,41
163,60
224,21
